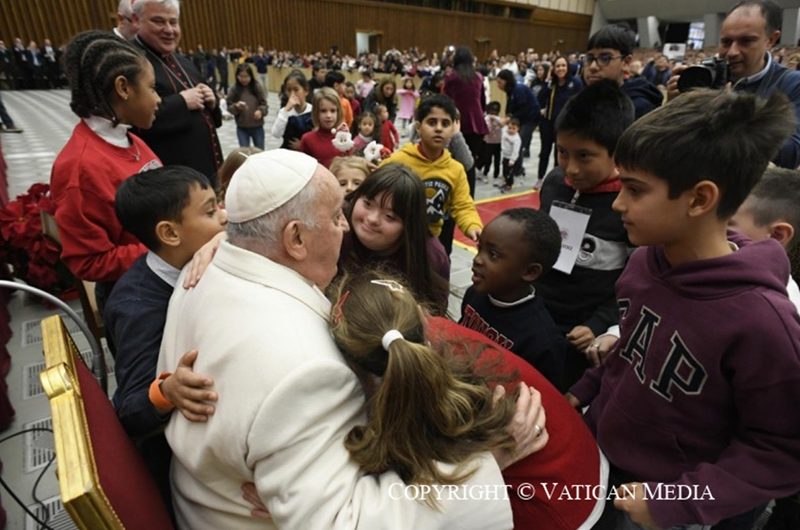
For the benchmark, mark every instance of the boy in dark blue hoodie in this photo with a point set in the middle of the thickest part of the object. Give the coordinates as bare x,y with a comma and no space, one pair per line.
609,54
696,406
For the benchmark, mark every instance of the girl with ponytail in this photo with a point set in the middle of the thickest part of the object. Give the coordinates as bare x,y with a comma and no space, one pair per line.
433,405
421,412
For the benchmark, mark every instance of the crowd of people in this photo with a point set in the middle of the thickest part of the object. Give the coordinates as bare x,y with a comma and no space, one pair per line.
279,318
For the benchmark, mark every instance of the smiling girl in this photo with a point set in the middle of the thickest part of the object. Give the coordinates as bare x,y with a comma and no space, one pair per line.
552,98
113,88
327,115
389,229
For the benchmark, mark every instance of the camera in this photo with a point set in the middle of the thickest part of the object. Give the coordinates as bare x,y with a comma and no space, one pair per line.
711,73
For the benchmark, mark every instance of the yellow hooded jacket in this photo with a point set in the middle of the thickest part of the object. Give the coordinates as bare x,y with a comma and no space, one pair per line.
446,188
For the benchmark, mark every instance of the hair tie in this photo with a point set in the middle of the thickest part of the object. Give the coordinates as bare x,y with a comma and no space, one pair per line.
337,314
392,285
389,337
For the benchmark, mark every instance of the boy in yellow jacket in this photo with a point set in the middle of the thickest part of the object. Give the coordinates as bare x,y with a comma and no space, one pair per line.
445,180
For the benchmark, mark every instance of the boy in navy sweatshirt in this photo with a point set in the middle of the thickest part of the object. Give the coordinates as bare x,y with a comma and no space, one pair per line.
173,211
696,406
515,249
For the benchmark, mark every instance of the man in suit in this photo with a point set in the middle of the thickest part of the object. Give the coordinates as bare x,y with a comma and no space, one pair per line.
36,64
23,69
52,68
222,67
7,70
184,131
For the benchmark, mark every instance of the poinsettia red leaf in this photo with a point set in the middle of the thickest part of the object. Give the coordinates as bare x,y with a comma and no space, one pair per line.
38,190
41,275
46,204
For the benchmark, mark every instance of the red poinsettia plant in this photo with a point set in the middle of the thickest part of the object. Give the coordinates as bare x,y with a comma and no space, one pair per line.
34,258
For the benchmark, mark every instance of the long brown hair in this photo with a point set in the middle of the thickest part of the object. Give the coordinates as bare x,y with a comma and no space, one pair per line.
405,189
422,411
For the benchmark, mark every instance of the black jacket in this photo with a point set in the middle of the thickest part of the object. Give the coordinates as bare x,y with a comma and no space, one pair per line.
644,94
179,135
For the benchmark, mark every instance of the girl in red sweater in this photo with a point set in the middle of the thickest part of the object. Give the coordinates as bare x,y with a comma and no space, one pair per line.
389,137
112,88
432,399
326,113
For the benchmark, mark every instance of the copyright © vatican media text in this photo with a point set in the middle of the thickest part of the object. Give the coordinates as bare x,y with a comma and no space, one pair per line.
549,490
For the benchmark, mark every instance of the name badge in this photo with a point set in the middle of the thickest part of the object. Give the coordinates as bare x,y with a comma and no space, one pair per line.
572,221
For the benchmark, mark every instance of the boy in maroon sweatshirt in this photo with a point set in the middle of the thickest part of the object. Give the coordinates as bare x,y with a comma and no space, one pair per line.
696,407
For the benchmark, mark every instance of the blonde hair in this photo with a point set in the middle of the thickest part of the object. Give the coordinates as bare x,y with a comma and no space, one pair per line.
423,411
349,162
328,94
232,162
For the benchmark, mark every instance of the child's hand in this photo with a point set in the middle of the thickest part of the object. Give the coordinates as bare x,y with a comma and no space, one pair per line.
572,400
293,103
342,128
188,391
580,337
635,506
527,426
598,350
201,260
474,234
294,144
258,114
250,494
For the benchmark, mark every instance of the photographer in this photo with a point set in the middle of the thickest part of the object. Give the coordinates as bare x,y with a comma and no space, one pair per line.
747,34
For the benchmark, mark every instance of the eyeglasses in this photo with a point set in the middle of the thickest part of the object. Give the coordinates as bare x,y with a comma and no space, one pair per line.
603,59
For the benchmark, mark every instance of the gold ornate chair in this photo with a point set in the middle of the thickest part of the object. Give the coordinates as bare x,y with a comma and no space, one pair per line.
103,481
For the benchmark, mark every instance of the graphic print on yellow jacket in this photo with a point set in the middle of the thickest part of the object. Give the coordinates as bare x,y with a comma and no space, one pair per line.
446,188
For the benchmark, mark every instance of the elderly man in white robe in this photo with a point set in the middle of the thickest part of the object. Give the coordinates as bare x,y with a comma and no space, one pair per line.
286,397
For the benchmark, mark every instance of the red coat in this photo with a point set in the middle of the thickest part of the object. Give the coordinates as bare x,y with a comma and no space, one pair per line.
570,458
389,137
83,183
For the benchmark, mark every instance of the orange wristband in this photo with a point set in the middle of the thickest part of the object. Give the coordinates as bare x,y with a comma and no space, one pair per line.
156,396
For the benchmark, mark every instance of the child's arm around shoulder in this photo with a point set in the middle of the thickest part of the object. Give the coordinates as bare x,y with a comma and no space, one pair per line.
187,391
